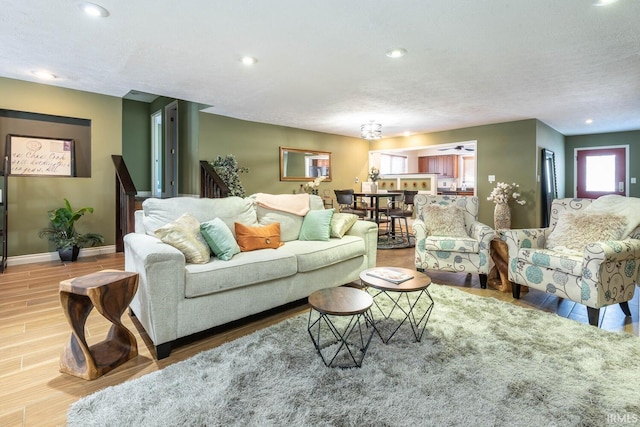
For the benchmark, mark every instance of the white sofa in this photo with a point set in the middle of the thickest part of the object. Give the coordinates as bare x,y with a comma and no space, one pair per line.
176,299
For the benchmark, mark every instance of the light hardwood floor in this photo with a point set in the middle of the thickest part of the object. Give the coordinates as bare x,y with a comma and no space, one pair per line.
33,331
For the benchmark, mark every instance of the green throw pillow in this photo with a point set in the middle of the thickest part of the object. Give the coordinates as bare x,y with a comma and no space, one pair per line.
220,239
316,225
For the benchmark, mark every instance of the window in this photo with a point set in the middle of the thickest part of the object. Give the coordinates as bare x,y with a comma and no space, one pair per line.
469,171
601,171
392,164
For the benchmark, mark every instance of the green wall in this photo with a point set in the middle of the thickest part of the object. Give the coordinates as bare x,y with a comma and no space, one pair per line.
510,151
631,138
506,150
136,140
31,197
188,150
256,146
552,140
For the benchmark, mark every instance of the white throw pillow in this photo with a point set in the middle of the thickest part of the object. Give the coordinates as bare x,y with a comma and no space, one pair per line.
184,235
575,230
444,220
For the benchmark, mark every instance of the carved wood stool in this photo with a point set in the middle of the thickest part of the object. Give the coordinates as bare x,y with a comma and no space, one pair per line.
110,291
498,277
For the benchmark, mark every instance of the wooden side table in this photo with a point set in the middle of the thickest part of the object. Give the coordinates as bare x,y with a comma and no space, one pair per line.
498,277
404,298
343,315
110,291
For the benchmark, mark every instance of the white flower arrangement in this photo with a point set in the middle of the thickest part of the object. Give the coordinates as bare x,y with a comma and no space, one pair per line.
374,174
503,192
313,185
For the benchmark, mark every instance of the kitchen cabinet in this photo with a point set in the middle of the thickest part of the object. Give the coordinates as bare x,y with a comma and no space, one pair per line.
446,166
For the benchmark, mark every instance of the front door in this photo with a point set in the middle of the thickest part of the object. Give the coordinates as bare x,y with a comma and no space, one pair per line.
601,171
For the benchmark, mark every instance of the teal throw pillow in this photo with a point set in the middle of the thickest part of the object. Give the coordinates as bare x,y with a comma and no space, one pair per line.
316,225
220,239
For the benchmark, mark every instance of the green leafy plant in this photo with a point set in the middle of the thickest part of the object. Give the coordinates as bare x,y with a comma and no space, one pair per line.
62,232
229,171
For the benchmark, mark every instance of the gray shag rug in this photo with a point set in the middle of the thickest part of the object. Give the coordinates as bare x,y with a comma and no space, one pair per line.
481,362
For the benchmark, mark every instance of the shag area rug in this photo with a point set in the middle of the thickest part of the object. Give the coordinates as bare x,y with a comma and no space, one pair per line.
481,362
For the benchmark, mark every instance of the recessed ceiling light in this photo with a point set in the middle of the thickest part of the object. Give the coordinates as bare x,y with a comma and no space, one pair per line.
92,9
407,133
604,2
588,121
248,60
42,74
396,53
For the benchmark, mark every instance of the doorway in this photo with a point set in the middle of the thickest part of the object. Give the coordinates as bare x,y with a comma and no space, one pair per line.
171,150
156,154
601,171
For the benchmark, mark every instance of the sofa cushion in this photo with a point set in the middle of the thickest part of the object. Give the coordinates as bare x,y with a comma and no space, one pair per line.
316,225
220,239
261,237
341,223
575,230
184,235
244,269
444,220
451,244
158,212
312,255
290,224
565,261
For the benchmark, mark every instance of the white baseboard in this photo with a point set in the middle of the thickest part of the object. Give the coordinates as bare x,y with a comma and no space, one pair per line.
53,256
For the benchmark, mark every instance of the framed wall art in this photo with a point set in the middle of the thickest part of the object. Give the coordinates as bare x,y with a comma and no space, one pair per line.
40,156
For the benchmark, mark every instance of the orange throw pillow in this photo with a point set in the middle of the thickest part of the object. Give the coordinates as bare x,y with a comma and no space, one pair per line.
252,238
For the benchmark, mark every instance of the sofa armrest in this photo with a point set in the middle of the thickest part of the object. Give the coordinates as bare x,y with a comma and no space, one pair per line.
161,284
533,238
419,230
611,268
138,217
368,231
613,251
482,233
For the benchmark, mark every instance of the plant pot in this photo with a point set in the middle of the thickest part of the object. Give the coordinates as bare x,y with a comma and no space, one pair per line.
69,253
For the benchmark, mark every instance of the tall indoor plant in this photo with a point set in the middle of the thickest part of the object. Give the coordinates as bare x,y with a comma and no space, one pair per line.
229,171
63,235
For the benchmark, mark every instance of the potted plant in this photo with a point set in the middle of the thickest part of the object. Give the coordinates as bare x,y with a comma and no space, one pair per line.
63,235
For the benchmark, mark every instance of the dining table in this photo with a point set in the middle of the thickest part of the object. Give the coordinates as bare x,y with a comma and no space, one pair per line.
374,202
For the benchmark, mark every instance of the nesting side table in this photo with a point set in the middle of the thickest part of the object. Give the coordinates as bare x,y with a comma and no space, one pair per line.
405,298
110,291
340,325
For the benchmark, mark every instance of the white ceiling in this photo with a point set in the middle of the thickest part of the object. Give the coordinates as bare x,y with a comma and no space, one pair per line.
322,64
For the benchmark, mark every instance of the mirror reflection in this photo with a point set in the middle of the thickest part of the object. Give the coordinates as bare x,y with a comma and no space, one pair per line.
304,165
549,185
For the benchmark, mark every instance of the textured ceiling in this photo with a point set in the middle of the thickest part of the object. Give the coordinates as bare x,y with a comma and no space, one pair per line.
322,64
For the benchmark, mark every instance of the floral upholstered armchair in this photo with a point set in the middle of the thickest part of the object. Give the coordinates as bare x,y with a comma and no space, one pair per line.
449,236
590,253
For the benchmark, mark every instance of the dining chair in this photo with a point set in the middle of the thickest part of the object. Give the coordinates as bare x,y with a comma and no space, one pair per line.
347,203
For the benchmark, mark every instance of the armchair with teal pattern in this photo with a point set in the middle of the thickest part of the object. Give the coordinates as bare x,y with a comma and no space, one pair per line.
603,273
464,254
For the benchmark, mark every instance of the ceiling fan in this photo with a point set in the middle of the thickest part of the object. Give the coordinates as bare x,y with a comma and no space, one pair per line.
458,148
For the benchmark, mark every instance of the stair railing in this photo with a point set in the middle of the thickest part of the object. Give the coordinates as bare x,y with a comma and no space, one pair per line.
125,201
